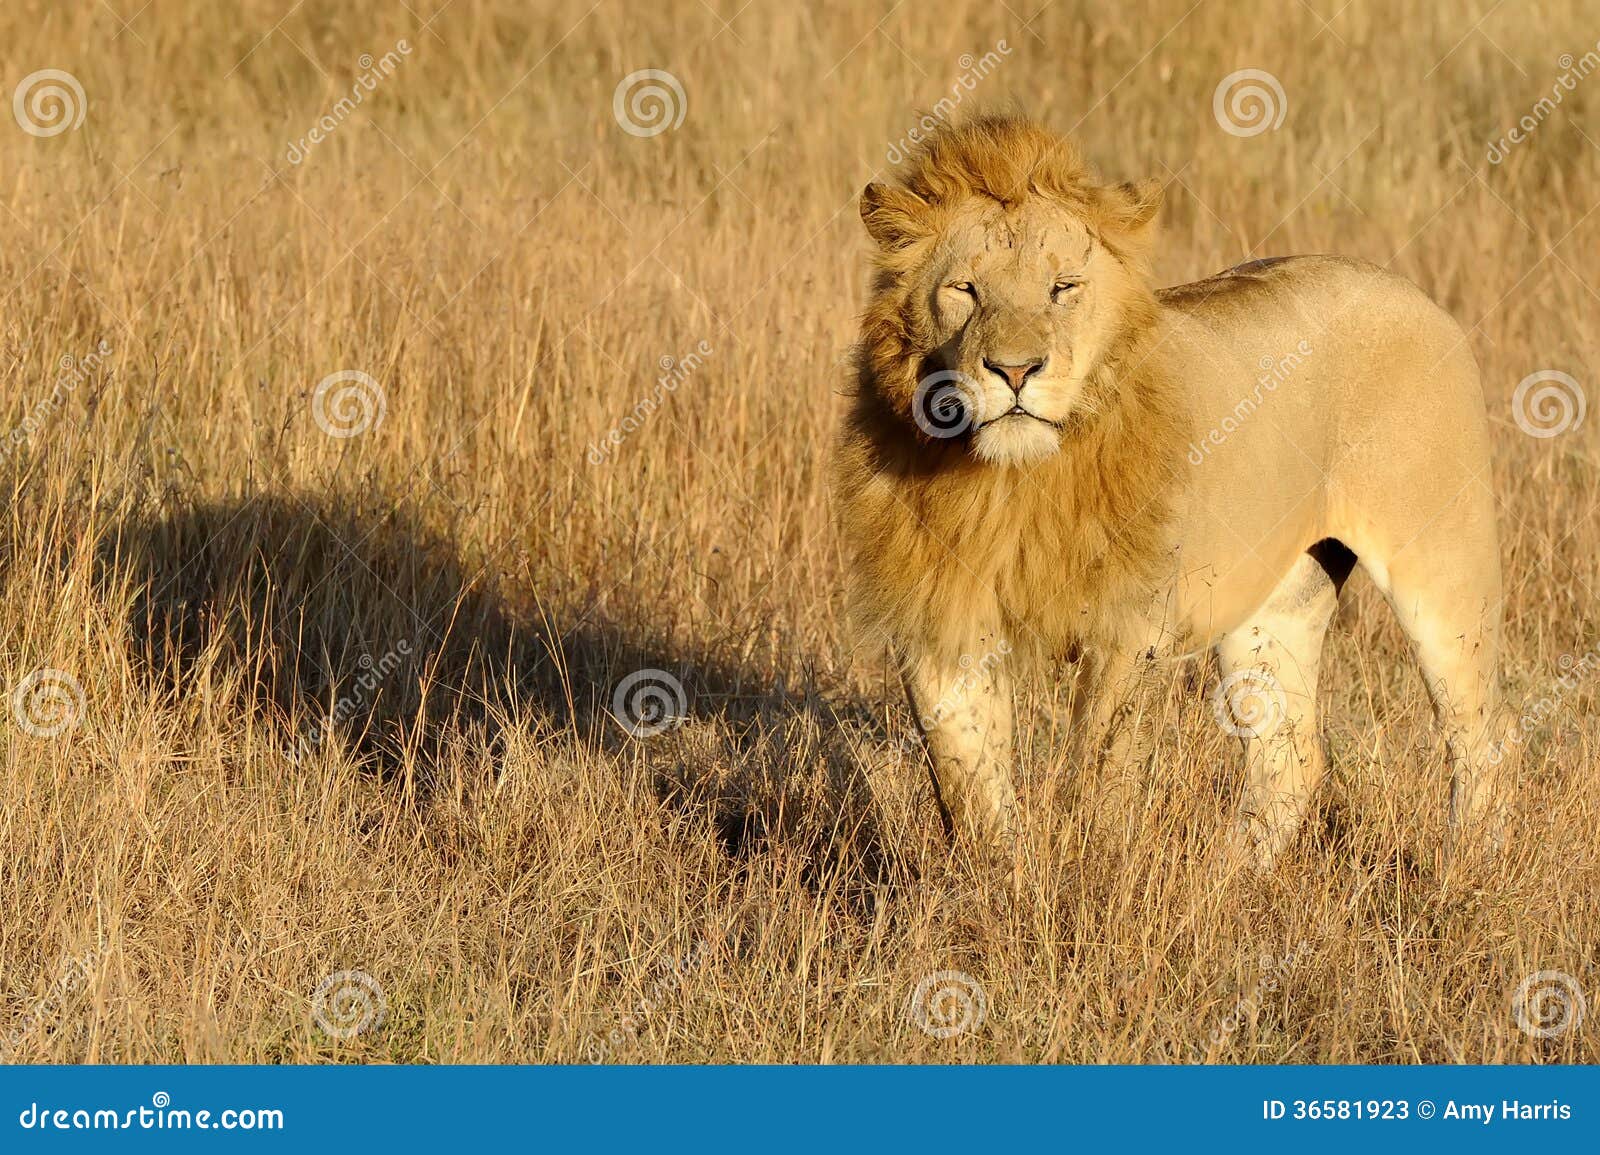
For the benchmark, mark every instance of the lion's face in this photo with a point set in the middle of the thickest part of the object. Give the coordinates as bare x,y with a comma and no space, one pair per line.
1002,290
1019,305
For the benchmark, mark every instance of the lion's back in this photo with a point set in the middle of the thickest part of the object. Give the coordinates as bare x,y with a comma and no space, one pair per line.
1355,337
1316,289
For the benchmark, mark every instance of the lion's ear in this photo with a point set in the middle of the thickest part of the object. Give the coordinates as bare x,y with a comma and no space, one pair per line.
893,216
1128,210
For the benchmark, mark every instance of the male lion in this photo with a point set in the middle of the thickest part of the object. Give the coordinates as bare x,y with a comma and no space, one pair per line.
1046,457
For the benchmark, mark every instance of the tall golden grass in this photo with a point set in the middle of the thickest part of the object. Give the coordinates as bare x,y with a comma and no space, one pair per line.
344,704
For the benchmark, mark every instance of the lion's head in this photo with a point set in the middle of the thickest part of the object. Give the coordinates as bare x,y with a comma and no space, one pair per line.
1007,282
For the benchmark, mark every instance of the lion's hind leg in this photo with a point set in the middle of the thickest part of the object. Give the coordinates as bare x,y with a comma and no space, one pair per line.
1268,698
1451,614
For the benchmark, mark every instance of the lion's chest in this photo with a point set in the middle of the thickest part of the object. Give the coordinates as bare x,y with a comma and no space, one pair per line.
1057,578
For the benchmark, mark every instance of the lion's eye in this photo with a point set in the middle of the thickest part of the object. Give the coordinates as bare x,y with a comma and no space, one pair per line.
963,287
1064,289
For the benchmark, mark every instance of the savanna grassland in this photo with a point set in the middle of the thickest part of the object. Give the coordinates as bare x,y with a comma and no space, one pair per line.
304,682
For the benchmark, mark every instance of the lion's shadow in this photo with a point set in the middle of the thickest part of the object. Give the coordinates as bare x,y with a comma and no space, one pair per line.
329,620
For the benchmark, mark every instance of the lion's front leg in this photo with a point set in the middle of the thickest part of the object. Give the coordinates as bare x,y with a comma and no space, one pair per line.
964,709
1115,736
1113,720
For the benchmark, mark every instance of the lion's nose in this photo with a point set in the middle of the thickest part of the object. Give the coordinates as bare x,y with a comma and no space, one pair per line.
1015,376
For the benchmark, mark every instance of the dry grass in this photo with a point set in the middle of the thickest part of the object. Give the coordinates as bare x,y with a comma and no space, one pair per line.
477,834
